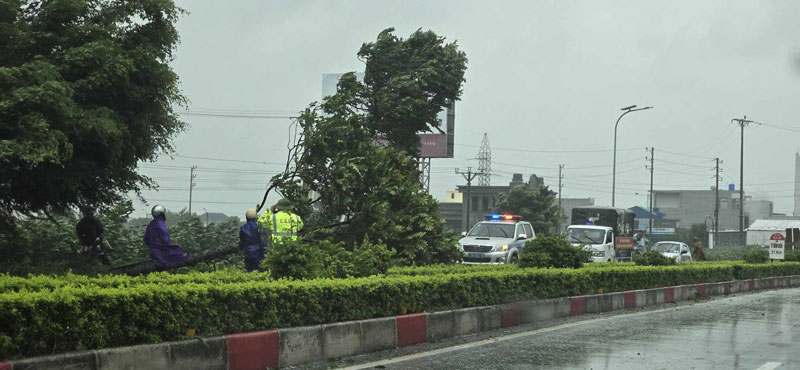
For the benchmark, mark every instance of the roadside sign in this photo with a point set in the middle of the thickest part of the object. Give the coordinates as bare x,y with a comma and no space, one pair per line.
776,244
623,243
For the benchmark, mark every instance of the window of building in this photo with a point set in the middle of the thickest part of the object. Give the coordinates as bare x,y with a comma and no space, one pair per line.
485,203
475,204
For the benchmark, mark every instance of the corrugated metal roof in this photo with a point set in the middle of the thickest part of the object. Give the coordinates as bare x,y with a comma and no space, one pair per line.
779,225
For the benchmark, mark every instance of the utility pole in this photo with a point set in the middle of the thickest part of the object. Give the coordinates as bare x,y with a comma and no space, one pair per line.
742,122
191,186
560,186
650,210
716,202
469,176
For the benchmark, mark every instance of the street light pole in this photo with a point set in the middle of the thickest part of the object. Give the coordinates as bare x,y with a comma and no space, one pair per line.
627,110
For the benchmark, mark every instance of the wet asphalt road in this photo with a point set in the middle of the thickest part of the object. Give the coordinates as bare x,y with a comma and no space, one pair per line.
755,331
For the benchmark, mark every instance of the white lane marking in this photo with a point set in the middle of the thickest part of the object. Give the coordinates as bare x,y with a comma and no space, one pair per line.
505,338
769,366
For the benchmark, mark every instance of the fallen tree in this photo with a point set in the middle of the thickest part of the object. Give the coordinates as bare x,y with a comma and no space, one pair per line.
210,254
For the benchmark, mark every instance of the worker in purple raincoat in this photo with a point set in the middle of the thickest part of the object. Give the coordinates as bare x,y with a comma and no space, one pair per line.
163,253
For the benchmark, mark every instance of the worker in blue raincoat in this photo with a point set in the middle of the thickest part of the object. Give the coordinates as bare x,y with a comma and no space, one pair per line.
251,242
163,253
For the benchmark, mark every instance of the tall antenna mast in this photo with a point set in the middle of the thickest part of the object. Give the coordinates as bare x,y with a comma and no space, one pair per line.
485,162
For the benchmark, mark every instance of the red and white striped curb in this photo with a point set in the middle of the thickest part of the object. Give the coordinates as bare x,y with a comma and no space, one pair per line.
308,344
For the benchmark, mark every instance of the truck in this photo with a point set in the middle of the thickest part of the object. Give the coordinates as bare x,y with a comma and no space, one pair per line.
498,239
606,231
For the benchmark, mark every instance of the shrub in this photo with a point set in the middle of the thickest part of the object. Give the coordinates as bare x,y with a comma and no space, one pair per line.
723,253
326,259
791,255
290,259
759,255
652,258
552,251
371,259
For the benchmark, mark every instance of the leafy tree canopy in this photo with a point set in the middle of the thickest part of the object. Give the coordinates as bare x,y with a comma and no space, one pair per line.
86,92
371,189
535,206
407,82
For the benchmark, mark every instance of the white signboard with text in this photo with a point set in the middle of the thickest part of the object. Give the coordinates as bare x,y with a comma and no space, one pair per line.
776,244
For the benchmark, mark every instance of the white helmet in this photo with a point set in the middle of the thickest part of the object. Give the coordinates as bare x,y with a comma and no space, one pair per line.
158,210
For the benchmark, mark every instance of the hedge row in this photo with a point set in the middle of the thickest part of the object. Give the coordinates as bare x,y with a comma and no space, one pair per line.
33,283
87,317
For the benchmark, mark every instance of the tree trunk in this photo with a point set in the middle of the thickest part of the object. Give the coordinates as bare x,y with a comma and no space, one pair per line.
209,254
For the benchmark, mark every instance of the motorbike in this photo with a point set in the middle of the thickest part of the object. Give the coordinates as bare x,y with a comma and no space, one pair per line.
98,250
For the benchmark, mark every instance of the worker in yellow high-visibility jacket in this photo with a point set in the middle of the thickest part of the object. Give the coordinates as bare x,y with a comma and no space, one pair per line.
280,223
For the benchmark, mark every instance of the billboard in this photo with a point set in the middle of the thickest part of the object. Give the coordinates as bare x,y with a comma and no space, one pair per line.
431,145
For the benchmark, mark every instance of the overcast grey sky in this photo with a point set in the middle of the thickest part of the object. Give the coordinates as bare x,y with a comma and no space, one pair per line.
542,76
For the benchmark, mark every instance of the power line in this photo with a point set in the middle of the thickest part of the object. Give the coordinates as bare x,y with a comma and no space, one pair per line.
207,169
548,151
247,111
686,155
786,128
721,138
686,173
196,201
225,159
235,115
681,164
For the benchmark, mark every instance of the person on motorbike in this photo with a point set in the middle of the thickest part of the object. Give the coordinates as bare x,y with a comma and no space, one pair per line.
163,252
91,235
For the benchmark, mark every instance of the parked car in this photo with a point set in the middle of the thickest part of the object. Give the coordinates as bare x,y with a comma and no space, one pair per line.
677,250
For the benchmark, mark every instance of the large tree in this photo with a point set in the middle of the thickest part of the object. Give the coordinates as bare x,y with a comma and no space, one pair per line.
538,207
339,173
86,92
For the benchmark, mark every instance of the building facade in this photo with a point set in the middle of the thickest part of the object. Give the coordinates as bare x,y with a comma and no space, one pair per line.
479,202
690,207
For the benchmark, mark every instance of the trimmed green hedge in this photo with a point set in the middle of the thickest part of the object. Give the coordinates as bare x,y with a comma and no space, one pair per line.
88,316
446,269
34,283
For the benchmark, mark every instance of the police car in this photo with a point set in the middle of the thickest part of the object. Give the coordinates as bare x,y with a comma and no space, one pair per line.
497,239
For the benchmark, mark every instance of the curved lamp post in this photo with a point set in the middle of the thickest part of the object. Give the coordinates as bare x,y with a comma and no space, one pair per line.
627,110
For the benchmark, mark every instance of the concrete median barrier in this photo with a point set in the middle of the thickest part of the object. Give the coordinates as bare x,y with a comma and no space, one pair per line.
378,334
341,339
300,345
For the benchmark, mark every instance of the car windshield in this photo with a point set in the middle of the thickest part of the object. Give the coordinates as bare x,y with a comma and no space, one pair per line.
493,230
579,235
668,247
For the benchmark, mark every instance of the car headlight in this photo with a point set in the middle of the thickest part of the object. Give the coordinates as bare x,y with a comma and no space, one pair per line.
599,253
505,247
460,247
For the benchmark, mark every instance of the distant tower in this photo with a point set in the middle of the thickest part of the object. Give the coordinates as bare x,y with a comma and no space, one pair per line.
484,162
797,184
